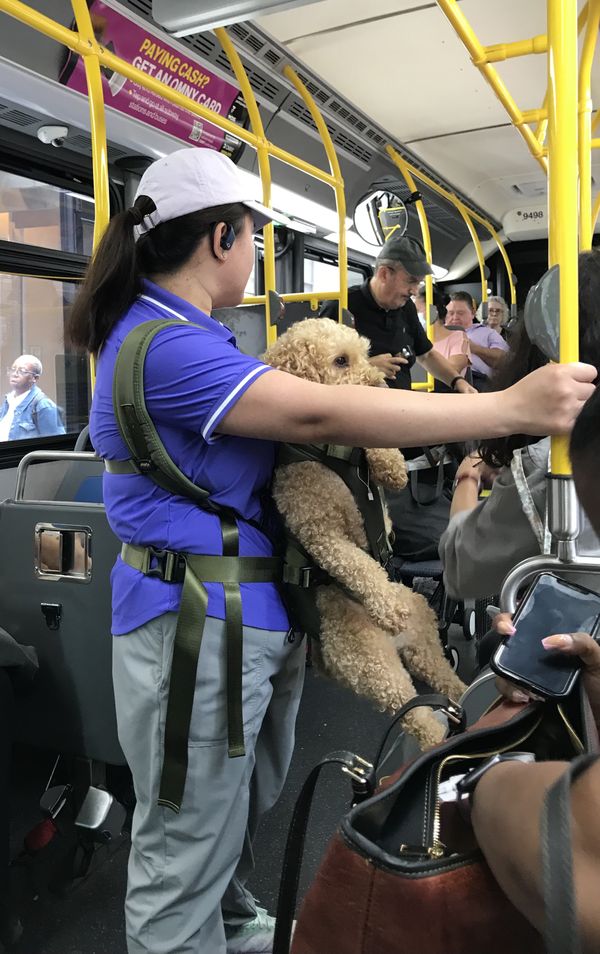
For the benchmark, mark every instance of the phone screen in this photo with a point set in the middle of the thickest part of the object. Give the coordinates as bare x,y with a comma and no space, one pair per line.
550,608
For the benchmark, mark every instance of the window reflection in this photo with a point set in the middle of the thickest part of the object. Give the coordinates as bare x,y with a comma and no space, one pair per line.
35,213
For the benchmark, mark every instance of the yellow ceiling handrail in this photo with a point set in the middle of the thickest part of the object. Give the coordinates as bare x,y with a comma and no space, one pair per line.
426,234
83,42
338,187
505,51
462,209
264,165
477,53
69,38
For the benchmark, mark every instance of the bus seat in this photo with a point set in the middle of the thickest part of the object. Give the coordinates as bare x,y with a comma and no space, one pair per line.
63,610
90,490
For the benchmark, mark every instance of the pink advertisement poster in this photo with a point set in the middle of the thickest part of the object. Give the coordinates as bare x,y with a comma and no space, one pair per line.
170,65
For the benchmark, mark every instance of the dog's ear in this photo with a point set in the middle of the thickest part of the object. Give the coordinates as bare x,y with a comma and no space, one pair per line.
295,356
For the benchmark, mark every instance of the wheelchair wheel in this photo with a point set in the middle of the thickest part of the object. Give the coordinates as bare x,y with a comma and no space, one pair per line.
452,655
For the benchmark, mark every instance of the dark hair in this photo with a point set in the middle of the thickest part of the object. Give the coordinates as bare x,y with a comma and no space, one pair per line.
585,438
525,357
463,296
114,276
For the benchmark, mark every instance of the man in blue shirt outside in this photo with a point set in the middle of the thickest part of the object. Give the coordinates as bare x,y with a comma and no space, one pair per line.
487,346
26,411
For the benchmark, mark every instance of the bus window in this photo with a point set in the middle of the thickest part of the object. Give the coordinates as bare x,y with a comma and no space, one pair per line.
322,275
35,213
44,390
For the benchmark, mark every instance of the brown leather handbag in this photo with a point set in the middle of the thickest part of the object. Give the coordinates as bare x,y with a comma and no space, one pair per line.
403,874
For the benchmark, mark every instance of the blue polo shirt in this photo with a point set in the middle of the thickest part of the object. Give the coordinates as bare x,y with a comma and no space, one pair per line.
194,374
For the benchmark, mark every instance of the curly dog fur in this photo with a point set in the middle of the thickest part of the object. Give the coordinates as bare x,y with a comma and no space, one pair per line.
371,628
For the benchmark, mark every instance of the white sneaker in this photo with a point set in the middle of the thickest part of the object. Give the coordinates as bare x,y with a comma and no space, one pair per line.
253,937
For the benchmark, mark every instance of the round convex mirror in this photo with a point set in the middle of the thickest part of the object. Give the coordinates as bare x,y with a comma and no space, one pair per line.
380,215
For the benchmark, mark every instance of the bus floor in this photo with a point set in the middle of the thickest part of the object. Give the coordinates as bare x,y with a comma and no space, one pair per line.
88,918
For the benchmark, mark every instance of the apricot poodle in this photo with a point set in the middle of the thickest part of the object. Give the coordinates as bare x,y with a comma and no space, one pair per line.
371,628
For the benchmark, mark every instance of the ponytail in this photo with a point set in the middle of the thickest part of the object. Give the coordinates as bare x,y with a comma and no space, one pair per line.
115,274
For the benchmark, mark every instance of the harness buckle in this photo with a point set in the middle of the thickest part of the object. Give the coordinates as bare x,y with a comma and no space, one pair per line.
145,466
170,566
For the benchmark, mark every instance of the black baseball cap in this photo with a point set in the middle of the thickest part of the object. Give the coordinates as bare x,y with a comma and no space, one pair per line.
408,252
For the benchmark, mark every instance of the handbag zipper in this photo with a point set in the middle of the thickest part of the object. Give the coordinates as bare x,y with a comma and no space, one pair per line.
438,847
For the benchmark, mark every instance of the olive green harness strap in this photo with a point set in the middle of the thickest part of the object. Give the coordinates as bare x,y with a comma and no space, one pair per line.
193,571
150,458
351,465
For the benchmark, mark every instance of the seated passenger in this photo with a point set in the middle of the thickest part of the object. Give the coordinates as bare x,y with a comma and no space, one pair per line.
476,550
497,315
487,347
420,305
26,410
454,346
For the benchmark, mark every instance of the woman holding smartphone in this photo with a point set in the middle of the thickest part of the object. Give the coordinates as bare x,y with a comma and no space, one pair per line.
509,797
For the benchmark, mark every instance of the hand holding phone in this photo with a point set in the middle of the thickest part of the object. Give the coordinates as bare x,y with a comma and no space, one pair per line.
550,607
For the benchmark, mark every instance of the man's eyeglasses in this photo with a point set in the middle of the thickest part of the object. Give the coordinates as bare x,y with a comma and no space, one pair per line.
20,371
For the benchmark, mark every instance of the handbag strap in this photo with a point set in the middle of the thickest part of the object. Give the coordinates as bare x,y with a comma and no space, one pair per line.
363,777
455,713
561,929
294,848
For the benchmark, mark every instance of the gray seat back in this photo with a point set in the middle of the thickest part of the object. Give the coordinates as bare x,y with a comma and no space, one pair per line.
57,556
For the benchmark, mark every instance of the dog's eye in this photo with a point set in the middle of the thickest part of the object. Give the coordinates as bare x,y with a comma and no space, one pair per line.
341,361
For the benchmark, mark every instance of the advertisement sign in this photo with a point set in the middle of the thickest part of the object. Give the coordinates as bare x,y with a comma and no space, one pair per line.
171,64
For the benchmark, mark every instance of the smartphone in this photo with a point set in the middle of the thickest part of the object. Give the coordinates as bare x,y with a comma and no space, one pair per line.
550,607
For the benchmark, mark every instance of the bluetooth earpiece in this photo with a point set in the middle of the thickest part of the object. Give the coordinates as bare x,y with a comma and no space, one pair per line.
228,238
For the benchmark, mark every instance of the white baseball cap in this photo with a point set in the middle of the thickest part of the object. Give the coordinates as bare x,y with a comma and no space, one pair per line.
193,179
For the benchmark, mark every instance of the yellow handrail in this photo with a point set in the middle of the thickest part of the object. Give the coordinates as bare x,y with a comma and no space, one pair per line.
85,44
456,203
338,182
426,234
98,131
505,51
478,54
562,182
585,127
264,165
69,38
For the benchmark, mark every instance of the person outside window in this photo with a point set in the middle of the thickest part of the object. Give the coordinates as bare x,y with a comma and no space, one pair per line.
26,411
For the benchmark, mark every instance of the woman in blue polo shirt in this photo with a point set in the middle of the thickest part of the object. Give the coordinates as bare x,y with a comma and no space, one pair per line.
183,249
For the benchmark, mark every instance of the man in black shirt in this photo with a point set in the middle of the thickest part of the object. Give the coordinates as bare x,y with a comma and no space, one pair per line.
384,313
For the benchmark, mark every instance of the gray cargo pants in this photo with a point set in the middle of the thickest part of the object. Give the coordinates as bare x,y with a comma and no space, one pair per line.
187,871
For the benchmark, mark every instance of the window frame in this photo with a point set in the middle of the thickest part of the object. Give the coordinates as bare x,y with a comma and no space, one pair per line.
23,156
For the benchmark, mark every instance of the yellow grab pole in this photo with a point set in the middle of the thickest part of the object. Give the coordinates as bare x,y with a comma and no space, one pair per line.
477,53
542,127
562,194
264,165
336,172
98,130
397,159
509,271
403,167
585,130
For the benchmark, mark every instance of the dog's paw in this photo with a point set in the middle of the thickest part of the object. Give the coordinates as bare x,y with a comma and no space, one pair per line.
392,617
